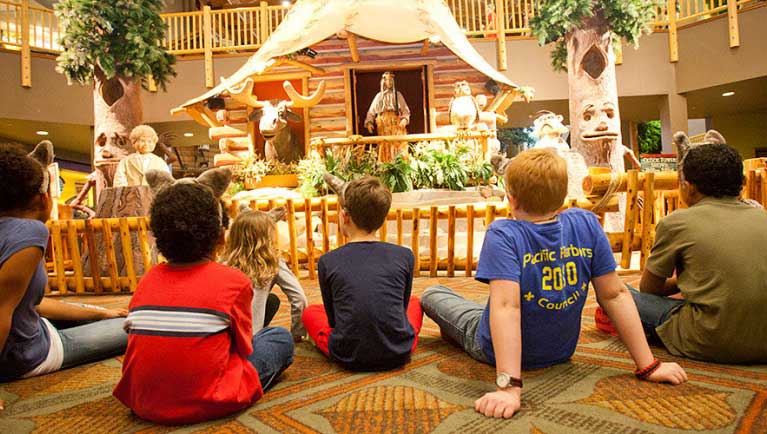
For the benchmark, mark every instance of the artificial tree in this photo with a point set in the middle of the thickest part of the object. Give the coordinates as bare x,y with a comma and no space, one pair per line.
117,46
584,32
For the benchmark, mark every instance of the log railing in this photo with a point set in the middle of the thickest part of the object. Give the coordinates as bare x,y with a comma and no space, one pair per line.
447,238
27,28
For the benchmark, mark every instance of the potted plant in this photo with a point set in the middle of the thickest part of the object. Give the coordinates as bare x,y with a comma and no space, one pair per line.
256,173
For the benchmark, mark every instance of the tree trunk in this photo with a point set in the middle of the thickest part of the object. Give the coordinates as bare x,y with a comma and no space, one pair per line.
595,127
117,109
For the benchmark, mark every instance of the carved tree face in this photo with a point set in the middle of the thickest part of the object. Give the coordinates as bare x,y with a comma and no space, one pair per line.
549,125
598,121
110,150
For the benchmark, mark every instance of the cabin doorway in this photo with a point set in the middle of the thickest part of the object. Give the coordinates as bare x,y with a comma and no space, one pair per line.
411,83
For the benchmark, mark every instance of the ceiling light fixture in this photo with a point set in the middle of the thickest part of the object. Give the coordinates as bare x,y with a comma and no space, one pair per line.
730,93
41,133
188,134
285,3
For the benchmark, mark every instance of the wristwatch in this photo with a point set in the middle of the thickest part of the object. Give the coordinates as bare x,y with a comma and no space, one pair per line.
504,381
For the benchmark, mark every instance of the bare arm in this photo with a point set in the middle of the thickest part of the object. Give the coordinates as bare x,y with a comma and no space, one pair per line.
506,329
58,310
653,284
15,275
616,300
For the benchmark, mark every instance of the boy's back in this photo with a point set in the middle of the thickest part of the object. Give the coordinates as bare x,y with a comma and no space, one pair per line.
366,289
190,338
553,264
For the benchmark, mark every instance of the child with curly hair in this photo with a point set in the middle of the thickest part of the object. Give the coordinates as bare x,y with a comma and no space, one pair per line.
39,335
251,249
191,352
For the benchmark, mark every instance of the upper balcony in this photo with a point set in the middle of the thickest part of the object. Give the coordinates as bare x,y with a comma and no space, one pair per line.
24,27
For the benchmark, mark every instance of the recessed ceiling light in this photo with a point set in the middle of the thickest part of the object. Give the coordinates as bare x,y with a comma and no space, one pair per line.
285,3
188,134
41,133
728,93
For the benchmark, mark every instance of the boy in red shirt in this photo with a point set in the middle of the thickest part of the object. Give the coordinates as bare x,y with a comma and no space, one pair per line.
191,355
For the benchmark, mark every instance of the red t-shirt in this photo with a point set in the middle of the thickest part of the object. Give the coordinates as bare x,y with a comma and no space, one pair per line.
189,338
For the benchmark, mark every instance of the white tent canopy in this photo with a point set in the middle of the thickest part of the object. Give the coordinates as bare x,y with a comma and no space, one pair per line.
393,21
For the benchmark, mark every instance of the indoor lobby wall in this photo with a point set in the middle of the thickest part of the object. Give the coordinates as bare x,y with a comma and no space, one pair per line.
743,131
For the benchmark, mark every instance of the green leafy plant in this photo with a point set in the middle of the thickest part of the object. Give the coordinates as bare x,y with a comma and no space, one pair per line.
649,137
628,19
396,175
113,38
310,171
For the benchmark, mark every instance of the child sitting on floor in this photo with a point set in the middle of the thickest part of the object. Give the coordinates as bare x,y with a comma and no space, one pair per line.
539,267
369,321
251,249
191,354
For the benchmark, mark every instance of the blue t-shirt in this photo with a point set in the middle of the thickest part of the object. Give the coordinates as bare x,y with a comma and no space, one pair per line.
366,289
28,341
553,264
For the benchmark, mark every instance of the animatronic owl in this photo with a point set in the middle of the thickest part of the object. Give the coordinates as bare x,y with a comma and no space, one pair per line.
463,110
548,128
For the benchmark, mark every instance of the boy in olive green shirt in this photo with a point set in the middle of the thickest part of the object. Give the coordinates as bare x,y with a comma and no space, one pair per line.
716,246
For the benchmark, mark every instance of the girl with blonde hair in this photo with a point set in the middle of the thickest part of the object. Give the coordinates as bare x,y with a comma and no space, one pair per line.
251,248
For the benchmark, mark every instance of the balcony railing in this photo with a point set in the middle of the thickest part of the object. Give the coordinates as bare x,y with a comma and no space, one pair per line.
207,32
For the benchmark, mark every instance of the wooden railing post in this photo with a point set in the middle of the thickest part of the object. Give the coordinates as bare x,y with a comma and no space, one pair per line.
732,19
500,18
26,52
207,45
673,43
264,31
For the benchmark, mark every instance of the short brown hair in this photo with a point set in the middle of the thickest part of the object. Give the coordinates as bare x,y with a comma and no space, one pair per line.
367,202
537,179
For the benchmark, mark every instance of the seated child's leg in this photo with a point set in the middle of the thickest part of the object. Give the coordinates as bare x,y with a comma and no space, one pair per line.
272,306
415,316
654,310
456,317
94,341
272,354
317,326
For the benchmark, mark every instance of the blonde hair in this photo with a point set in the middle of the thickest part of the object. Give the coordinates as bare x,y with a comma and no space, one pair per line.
537,179
250,247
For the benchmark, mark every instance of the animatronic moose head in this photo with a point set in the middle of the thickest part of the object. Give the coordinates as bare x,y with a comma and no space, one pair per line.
273,116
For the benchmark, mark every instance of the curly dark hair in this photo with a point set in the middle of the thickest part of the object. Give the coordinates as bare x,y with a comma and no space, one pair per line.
715,169
186,221
20,177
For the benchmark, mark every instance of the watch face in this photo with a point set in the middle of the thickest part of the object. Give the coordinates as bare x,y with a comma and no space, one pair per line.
502,380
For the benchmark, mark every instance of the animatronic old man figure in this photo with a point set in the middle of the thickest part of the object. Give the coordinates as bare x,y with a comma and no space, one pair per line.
131,170
391,115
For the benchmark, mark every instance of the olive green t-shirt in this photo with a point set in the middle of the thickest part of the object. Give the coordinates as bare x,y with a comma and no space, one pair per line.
718,248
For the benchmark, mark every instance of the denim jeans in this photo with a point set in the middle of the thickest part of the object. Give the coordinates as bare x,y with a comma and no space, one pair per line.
457,318
86,342
654,310
272,354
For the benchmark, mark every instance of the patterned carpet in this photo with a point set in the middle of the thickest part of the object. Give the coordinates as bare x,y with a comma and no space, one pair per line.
594,393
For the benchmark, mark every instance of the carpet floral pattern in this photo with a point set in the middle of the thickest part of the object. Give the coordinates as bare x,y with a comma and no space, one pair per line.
593,393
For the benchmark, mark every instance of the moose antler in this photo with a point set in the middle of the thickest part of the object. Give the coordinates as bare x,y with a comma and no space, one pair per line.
243,93
298,101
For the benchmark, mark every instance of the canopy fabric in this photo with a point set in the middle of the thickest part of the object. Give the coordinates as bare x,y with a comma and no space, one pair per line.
309,22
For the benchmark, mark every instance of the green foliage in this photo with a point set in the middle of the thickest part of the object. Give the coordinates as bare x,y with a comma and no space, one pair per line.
649,137
396,175
515,140
627,19
310,173
117,37
434,166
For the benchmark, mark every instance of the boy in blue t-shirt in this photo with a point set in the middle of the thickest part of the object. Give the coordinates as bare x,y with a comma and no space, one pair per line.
539,267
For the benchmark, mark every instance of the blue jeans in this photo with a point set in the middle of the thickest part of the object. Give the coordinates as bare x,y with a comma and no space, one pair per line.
86,342
457,318
654,310
272,354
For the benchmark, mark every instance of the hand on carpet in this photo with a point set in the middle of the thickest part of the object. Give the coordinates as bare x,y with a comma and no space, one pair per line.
668,373
500,404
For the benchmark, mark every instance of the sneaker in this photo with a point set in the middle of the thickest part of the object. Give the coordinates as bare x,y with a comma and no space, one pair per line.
603,322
